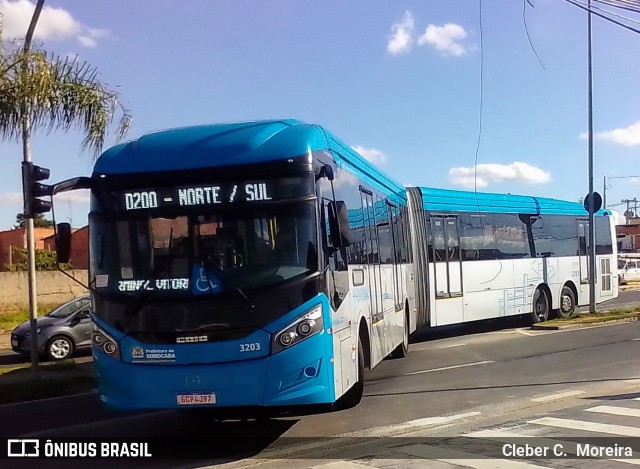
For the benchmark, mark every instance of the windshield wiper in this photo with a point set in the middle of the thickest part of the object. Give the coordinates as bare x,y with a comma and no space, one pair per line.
225,279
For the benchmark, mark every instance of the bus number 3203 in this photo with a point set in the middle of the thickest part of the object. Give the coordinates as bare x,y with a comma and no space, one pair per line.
252,347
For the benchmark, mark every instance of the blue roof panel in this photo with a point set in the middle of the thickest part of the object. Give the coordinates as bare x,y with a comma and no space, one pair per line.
218,145
444,200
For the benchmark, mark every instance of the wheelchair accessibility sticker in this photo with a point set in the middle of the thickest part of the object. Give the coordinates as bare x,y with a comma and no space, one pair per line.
205,281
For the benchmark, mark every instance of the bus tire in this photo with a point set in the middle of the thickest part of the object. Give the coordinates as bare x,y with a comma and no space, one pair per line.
567,303
540,312
354,395
402,349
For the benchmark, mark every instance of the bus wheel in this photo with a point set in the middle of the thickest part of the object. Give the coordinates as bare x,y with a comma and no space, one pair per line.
354,395
540,311
567,303
403,348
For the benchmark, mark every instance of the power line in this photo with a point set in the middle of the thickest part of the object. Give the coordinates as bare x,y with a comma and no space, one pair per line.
576,4
626,18
621,4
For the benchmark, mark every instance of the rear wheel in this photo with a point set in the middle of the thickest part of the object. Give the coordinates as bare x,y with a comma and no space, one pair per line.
540,311
567,303
354,395
60,347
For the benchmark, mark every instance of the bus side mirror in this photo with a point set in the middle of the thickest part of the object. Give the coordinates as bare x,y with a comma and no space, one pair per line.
339,224
63,243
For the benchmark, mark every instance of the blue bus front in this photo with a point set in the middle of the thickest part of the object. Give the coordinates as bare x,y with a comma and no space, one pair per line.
207,291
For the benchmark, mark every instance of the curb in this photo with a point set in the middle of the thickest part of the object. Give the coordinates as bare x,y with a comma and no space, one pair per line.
551,327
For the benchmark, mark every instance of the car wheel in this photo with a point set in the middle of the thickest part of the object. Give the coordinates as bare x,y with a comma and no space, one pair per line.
567,303
60,348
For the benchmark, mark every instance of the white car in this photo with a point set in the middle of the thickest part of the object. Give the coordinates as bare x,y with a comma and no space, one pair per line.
628,270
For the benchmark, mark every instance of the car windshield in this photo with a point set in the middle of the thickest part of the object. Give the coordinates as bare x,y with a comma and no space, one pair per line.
204,253
68,309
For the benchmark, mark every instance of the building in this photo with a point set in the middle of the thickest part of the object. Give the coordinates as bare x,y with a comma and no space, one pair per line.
79,256
17,238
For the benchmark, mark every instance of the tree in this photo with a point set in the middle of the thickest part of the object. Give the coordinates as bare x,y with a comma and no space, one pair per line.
41,91
39,221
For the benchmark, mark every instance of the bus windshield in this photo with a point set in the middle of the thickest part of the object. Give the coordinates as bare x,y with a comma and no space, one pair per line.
203,253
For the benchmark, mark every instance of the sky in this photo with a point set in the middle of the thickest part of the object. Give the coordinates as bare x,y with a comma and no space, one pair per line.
427,90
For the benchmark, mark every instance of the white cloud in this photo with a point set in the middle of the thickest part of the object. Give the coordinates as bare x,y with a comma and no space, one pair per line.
81,196
628,136
371,154
445,38
54,24
401,38
11,199
490,173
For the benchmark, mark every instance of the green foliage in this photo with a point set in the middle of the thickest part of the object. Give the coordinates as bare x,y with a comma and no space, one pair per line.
39,221
45,260
56,94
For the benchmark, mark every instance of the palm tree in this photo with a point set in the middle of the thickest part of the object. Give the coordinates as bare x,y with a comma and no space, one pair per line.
41,91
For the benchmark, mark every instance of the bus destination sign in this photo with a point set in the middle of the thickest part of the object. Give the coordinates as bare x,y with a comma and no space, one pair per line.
197,196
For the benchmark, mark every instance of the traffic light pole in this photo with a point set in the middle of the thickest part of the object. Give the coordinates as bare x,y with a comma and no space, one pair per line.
31,256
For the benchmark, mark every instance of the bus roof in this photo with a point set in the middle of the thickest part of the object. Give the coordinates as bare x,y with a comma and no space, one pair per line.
444,200
233,144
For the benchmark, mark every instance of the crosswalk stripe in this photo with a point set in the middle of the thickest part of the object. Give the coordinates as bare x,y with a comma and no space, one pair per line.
569,447
555,397
461,458
607,409
621,430
341,465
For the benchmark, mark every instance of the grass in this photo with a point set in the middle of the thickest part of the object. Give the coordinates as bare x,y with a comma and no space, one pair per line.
632,313
17,384
11,318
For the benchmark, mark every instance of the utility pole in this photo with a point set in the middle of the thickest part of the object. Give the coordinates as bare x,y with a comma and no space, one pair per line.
592,226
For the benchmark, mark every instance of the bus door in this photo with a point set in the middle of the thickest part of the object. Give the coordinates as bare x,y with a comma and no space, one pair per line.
446,256
371,239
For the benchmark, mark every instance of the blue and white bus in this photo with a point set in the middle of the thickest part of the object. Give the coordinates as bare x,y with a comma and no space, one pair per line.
265,265
480,256
224,271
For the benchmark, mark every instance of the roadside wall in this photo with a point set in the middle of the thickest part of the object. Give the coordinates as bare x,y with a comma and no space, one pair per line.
51,287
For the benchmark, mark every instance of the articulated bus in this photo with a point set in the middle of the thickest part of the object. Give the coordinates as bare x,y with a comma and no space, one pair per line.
264,265
224,272
481,256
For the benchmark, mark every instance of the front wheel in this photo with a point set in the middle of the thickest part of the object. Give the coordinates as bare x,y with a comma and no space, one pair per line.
60,348
567,303
540,311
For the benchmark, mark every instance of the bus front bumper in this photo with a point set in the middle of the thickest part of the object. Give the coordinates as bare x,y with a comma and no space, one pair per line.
301,375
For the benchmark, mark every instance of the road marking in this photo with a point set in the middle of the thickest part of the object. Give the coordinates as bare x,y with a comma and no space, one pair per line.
607,409
558,396
635,339
51,399
342,465
429,421
409,426
568,447
453,367
461,458
621,430
452,346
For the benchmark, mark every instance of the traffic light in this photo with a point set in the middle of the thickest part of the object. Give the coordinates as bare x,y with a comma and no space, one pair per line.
31,175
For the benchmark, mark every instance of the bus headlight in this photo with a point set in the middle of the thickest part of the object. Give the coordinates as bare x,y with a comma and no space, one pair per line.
105,342
307,325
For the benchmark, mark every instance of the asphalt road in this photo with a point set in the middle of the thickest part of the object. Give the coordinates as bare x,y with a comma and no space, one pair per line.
448,371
